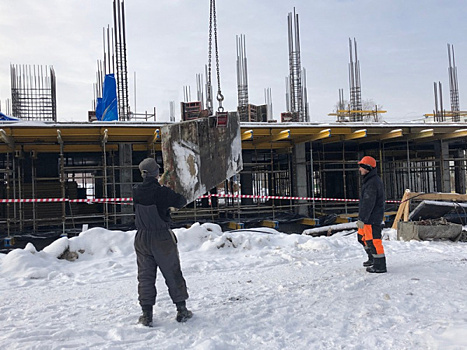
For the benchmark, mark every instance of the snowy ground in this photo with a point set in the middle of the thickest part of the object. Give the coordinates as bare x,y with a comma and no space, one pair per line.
249,290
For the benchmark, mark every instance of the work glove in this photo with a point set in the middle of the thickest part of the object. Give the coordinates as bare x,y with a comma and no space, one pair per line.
164,177
360,224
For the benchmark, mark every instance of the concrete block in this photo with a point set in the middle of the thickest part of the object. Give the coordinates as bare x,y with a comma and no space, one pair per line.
409,230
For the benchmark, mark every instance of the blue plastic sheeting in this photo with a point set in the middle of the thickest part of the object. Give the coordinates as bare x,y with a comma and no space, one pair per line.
106,107
99,108
7,118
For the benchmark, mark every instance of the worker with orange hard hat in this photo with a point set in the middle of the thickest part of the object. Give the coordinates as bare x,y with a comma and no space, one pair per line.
370,215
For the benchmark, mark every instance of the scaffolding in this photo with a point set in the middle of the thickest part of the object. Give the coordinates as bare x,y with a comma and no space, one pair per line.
65,176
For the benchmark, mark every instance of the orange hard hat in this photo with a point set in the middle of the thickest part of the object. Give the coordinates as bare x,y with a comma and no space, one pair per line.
367,160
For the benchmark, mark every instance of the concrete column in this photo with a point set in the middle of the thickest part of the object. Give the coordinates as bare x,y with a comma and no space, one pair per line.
125,153
299,177
246,178
443,175
459,172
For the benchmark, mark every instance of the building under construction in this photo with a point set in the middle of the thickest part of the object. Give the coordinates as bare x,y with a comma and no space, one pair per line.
60,176
63,175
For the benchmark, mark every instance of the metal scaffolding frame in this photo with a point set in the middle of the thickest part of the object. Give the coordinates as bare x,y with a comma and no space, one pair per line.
67,169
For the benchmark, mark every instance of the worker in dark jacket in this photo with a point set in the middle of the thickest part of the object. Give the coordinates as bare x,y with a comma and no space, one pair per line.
371,215
156,244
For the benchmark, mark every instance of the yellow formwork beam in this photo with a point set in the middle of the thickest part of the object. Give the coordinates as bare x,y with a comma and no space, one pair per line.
270,223
284,134
323,134
247,135
423,133
455,134
358,134
236,225
155,137
308,221
387,136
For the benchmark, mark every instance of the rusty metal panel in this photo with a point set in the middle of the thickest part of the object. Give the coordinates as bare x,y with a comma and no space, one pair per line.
199,155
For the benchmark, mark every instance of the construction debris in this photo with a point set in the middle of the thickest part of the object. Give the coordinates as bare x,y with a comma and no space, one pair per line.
428,230
436,209
329,230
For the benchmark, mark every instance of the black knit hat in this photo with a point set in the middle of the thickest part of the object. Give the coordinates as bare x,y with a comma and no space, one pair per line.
149,168
365,166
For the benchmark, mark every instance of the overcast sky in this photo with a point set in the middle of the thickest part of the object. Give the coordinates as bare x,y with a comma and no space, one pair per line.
402,48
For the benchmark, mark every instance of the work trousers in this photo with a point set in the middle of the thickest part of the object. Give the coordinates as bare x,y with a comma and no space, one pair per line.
163,254
370,237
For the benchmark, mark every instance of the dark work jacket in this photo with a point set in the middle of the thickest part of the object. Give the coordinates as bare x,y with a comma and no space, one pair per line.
151,203
372,199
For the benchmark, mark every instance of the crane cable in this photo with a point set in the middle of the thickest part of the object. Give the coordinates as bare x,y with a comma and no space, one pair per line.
213,25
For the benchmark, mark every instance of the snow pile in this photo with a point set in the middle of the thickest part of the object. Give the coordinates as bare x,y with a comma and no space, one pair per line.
249,289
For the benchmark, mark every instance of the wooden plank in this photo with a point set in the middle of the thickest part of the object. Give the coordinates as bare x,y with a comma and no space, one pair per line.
406,211
438,196
401,209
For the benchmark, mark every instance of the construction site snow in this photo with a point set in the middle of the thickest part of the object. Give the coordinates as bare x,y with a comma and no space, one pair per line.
252,289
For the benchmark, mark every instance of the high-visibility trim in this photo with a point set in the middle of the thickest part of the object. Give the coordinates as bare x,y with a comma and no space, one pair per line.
379,248
367,232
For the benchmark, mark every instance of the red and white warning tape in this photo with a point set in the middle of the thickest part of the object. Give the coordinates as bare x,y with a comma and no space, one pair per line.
129,199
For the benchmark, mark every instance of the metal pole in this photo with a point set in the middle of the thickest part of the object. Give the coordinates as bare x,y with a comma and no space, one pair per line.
104,161
33,185
62,179
408,165
312,179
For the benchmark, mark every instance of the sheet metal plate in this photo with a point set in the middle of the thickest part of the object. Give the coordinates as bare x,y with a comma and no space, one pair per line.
199,155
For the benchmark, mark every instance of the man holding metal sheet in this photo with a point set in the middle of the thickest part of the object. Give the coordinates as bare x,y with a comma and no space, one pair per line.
156,244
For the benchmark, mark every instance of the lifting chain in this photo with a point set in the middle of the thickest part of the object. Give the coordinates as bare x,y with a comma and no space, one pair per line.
213,25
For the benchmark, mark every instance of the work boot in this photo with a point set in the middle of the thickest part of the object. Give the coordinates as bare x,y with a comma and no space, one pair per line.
370,260
379,266
183,314
146,318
